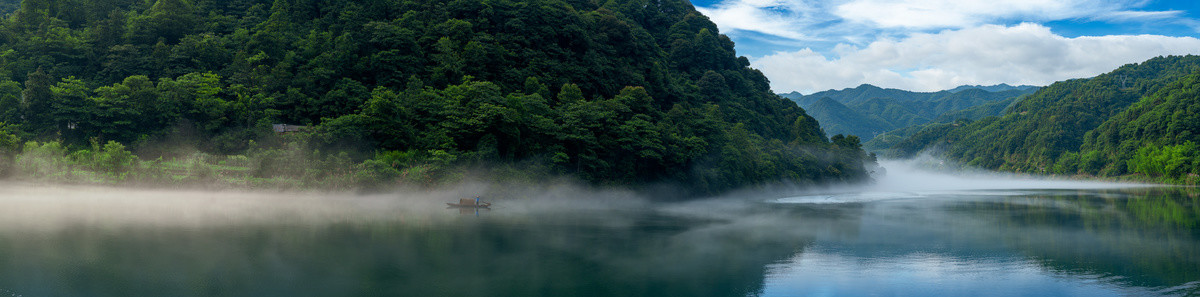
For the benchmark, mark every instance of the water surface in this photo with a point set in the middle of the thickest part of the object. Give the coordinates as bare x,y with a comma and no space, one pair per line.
1007,241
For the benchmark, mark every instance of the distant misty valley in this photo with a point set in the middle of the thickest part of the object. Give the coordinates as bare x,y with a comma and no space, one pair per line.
1137,122
868,111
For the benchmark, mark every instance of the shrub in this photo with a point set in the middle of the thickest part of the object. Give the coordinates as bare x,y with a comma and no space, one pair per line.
44,160
9,146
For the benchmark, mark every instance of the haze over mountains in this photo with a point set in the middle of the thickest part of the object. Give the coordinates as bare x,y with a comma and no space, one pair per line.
1138,120
867,111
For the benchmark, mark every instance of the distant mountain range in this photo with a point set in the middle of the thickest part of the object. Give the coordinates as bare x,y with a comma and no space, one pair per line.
867,110
867,91
995,88
1140,120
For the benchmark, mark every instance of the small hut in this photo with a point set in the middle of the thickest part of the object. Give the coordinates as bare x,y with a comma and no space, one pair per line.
287,129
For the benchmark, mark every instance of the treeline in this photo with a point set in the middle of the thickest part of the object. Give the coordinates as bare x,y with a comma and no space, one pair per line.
613,92
1137,120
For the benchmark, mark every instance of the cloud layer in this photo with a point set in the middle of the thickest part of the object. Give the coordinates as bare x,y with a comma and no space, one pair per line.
773,17
930,45
990,54
968,13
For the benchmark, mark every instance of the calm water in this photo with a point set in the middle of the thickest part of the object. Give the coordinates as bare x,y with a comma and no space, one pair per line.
1053,242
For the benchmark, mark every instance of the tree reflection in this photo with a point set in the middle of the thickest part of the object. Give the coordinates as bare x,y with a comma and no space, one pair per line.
569,254
1141,237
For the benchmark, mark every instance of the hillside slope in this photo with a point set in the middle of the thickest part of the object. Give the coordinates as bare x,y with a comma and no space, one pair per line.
836,118
632,92
890,109
1050,127
1157,136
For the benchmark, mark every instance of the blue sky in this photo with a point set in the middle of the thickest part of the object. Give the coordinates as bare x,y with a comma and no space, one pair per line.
929,45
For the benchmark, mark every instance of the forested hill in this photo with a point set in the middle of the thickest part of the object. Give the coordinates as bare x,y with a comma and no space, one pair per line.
1136,119
837,118
867,111
865,92
613,92
1157,137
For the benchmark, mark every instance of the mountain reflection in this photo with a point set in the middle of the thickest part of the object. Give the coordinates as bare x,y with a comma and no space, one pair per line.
1030,243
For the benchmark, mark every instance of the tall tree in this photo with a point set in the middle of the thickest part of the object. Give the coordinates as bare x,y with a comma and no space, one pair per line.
11,109
32,14
168,20
37,101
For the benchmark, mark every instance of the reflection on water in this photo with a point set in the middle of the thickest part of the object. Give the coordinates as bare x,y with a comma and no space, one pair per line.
1012,243
1061,242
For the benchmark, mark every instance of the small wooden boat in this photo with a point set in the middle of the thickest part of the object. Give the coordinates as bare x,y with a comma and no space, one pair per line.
469,203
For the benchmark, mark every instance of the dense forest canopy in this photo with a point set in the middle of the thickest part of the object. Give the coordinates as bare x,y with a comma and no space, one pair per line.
1138,119
613,92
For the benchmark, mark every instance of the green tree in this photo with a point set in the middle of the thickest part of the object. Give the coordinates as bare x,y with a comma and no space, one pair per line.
168,20
196,98
73,113
10,145
1172,161
32,14
38,102
11,109
570,93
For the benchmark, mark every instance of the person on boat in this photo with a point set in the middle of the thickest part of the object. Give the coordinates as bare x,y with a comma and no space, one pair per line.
476,200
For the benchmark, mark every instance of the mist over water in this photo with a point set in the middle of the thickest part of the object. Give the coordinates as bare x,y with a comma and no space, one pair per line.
52,207
26,205
916,175
914,232
915,178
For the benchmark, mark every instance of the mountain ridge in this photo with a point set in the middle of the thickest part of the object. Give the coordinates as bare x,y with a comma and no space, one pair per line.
880,108
1126,121
992,88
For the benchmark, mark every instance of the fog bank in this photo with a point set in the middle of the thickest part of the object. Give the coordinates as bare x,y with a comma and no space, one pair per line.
917,175
925,176
41,206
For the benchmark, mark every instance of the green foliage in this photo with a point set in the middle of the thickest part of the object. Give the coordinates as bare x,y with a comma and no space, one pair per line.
993,108
868,111
628,92
9,142
836,118
37,100
11,109
9,147
112,157
1068,163
1128,120
44,160
1151,127
846,142
1172,161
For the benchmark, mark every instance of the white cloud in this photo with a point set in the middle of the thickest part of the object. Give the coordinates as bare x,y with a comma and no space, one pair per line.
781,18
989,54
847,19
1125,16
938,44
924,14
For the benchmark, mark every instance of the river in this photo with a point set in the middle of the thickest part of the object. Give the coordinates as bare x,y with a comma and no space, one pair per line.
914,234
